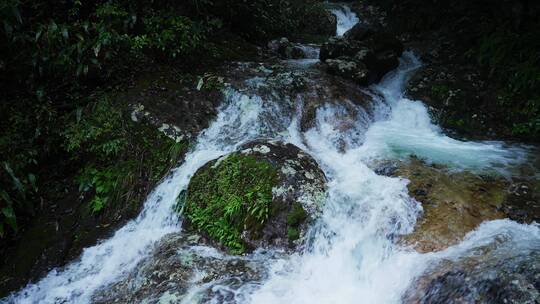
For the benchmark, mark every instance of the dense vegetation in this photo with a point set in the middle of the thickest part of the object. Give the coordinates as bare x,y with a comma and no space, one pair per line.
59,62
55,54
512,58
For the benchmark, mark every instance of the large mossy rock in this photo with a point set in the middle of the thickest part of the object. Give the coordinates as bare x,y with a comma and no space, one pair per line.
262,195
363,54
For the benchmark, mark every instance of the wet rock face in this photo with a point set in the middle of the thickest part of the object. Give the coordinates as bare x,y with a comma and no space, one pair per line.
454,203
178,262
363,54
319,26
172,104
286,49
263,195
307,89
522,203
484,275
328,26
457,202
356,71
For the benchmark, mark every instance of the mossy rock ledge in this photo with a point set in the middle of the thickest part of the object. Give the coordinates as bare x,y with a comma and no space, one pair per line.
263,195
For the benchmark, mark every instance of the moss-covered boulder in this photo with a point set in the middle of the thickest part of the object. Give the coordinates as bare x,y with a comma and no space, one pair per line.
262,195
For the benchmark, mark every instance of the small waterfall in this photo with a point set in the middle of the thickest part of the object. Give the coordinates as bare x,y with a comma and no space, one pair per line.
346,19
239,120
409,131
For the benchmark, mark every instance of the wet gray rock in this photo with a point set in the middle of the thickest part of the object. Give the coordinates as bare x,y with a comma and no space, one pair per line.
449,90
453,202
286,49
522,203
363,54
340,47
352,69
301,180
493,273
317,26
306,89
176,106
179,262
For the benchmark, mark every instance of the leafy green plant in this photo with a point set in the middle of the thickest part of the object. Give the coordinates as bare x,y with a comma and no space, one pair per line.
103,182
16,196
230,197
19,161
294,219
210,82
102,132
440,91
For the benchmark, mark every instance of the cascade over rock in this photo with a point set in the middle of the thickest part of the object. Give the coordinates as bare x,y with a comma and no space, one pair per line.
179,262
307,87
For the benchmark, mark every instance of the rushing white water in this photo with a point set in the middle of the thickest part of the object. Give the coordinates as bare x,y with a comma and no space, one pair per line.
346,19
238,121
350,256
409,131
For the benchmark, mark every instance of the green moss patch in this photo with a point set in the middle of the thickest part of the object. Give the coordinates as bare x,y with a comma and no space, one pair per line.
234,195
294,219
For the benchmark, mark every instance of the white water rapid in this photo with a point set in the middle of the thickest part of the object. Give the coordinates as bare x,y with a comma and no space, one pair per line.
238,121
350,255
346,19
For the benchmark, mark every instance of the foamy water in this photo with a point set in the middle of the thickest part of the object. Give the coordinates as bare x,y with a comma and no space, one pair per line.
237,122
346,19
352,257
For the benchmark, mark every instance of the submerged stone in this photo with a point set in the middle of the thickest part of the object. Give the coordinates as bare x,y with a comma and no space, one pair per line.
453,203
262,195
